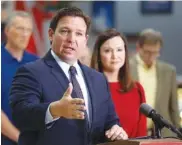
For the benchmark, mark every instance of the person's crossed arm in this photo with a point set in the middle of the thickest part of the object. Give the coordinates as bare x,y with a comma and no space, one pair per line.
8,129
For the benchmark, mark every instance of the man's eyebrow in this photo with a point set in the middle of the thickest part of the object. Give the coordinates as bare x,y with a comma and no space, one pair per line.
80,30
63,27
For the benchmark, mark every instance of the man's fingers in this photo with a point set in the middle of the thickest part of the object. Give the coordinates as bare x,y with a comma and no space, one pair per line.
110,132
69,90
79,107
77,101
123,135
116,133
78,115
107,133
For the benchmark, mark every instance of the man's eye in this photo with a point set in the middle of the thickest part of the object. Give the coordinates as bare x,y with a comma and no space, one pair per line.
79,34
64,31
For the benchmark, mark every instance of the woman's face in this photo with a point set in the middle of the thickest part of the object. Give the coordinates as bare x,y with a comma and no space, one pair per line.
112,54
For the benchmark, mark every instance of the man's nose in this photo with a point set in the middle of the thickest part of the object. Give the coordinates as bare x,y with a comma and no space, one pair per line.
26,32
71,38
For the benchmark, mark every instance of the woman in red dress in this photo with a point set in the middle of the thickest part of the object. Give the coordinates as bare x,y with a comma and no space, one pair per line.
110,56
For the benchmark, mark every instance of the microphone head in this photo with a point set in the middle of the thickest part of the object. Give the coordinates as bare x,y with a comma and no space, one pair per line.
146,109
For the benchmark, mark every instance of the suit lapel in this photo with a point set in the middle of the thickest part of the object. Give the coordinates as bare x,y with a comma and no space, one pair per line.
134,69
159,72
56,71
88,80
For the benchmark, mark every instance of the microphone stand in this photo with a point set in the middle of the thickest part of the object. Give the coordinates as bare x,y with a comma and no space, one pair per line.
160,125
157,130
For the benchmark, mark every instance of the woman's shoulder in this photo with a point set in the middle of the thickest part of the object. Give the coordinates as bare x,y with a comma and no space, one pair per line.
138,85
140,90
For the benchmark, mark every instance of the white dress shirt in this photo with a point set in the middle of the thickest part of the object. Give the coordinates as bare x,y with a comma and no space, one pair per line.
80,78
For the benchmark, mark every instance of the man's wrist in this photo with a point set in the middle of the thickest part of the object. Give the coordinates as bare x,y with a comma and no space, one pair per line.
53,110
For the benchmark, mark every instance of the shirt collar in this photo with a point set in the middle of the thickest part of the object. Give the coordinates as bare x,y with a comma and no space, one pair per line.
65,66
5,54
142,63
8,57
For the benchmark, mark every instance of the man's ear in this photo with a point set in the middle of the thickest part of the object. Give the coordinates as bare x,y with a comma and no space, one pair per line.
6,30
87,36
51,34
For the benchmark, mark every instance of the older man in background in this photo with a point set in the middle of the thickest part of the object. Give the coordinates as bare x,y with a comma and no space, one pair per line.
157,77
18,30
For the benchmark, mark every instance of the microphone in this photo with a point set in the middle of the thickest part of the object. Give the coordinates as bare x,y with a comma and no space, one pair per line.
149,112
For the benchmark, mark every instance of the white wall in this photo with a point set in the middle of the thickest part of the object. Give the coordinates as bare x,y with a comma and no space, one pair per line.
129,20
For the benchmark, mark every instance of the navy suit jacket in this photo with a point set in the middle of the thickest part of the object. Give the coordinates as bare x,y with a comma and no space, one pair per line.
39,83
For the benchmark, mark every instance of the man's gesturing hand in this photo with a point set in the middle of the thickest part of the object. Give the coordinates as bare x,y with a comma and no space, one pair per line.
116,133
68,107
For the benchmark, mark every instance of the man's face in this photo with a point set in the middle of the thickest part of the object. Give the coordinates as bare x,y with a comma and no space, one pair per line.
18,32
149,53
69,38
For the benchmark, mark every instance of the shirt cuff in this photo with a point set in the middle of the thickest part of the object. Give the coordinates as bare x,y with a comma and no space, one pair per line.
48,118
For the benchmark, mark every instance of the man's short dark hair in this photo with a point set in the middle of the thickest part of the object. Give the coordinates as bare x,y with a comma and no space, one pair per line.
69,11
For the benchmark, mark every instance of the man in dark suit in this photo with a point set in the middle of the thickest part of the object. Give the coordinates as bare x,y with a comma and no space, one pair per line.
48,109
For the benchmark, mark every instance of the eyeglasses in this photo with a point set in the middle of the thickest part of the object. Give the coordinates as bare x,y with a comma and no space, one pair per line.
150,53
23,29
